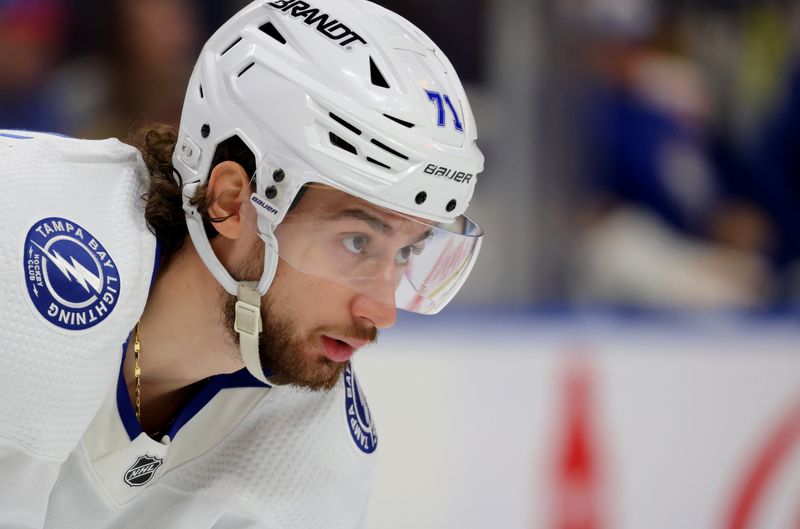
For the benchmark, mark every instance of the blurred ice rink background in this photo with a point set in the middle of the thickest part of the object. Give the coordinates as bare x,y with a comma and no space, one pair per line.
603,421
625,354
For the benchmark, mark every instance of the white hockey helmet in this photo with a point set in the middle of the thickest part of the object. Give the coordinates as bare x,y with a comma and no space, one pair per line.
346,94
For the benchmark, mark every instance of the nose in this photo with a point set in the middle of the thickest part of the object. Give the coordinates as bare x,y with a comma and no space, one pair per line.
381,312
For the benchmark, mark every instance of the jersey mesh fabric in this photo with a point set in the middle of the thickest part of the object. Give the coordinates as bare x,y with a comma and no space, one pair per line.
51,380
290,464
293,460
24,476
77,501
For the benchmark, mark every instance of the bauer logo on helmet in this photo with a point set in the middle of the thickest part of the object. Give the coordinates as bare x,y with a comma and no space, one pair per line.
450,174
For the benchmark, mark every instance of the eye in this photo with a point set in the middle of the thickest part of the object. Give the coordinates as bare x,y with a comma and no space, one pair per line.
404,253
355,243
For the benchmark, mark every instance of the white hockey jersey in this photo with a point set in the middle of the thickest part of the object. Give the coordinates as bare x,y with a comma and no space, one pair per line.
76,264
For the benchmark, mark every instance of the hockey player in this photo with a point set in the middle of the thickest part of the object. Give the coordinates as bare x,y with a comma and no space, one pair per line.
178,320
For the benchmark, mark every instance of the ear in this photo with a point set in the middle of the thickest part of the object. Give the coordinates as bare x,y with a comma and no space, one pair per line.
228,188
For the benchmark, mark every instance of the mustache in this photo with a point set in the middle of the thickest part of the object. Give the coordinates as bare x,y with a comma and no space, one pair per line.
359,332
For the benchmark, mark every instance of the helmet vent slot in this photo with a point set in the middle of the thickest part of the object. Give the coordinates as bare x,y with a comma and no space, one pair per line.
231,45
344,124
241,73
375,74
400,121
336,141
376,162
273,32
389,149
201,91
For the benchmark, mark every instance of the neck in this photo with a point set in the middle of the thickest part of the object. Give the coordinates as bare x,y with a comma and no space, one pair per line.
182,337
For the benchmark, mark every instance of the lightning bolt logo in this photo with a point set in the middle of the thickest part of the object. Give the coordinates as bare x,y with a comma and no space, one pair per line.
85,289
74,270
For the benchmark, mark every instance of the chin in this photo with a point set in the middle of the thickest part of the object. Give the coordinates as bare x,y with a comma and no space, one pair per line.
323,377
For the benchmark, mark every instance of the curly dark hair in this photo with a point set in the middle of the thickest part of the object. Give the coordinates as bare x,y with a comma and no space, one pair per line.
163,203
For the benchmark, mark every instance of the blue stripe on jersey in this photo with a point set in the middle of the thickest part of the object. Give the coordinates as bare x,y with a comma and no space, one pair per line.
15,136
20,134
212,386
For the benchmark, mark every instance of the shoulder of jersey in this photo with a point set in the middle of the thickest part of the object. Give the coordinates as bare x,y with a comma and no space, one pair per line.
74,220
51,145
75,267
301,459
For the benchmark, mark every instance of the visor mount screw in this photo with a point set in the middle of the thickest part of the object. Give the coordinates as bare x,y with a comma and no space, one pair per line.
271,192
278,175
205,130
421,197
451,205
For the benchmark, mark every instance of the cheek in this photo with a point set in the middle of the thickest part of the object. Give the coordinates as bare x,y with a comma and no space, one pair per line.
303,249
294,295
310,301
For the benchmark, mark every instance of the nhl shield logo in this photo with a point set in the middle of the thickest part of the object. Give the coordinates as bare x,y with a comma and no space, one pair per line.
142,471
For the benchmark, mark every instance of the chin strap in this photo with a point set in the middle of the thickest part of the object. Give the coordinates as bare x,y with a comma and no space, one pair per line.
248,325
247,322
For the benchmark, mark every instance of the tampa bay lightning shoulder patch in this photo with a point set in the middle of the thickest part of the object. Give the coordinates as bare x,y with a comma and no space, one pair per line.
71,279
359,418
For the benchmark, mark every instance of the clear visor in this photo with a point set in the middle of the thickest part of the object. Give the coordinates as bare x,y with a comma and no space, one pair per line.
397,260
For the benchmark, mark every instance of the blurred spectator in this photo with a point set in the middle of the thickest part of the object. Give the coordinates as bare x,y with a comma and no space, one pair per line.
31,37
140,74
663,226
776,177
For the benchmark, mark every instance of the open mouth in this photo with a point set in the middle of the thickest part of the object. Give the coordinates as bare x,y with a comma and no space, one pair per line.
337,350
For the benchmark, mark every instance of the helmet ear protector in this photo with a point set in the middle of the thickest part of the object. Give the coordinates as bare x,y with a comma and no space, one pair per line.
353,104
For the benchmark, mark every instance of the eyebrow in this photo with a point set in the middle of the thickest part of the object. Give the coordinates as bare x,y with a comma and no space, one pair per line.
374,222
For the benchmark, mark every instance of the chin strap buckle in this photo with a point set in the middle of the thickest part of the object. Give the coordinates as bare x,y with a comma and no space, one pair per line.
248,320
248,325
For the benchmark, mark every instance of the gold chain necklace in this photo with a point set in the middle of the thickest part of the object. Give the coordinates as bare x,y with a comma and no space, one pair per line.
137,373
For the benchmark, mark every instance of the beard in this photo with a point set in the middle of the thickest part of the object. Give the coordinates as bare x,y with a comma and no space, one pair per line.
285,353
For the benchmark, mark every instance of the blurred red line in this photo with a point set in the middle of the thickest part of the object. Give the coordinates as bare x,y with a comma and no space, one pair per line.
765,467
